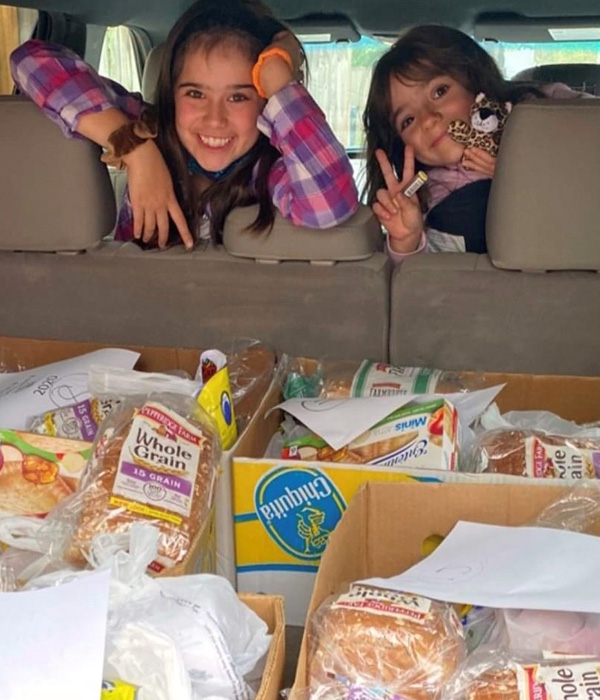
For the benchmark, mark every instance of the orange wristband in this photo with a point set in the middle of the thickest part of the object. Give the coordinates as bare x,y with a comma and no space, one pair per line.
275,51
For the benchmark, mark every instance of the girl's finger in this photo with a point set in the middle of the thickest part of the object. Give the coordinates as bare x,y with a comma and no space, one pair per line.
380,212
149,226
387,171
138,221
479,154
181,223
384,198
162,224
408,171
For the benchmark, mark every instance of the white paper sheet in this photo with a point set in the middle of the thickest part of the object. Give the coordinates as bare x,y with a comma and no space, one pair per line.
34,391
339,421
52,641
508,567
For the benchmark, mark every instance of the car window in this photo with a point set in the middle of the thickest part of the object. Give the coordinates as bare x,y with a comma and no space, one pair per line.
339,77
16,26
513,58
118,58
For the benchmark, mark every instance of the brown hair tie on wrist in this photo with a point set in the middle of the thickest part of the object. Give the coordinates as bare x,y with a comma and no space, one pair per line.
128,137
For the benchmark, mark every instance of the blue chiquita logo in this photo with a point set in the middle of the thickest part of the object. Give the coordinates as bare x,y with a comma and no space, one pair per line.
299,509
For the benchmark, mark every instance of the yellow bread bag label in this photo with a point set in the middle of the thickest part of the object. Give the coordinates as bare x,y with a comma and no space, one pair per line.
117,690
215,397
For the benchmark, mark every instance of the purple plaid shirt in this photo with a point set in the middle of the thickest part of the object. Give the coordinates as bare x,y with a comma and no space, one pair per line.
311,184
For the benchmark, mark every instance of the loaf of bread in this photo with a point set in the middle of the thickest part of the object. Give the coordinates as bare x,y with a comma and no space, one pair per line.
383,642
536,454
496,684
154,462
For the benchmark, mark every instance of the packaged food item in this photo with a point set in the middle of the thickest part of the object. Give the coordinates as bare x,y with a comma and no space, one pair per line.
416,435
339,379
117,690
37,472
215,394
78,422
154,460
377,643
536,454
493,674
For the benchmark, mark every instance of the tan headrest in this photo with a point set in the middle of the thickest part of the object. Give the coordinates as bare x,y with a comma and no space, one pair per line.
150,74
55,194
584,77
355,239
543,208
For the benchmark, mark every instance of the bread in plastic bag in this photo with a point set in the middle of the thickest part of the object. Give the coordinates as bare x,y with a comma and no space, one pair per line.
374,642
493,674
154,460
337,379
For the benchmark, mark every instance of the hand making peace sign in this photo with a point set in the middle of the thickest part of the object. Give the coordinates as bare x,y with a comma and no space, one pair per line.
400,215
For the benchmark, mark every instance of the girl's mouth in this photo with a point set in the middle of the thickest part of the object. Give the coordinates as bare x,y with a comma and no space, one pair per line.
214,141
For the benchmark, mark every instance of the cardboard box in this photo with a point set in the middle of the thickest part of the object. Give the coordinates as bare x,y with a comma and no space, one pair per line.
270,609
213,549
383,530
285,510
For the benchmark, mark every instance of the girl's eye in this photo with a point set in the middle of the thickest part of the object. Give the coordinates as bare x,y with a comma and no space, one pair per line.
238,97
441,90
406,123
195,94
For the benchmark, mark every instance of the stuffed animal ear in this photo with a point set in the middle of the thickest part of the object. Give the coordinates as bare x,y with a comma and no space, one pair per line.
480,97
508,107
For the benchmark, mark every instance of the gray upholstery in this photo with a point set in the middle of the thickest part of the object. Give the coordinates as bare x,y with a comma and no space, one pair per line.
543,208
584,77
456,311
119,294
356,239
55,194
150,74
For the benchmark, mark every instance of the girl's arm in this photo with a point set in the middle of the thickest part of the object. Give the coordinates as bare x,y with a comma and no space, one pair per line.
312,184
66,88
74,96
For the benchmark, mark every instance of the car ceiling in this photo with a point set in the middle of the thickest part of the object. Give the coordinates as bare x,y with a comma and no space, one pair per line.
370,16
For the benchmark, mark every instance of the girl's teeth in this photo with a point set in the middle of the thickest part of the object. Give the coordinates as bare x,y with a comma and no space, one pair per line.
214,142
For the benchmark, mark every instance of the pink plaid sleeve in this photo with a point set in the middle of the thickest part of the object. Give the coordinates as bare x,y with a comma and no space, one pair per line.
312,184
65,87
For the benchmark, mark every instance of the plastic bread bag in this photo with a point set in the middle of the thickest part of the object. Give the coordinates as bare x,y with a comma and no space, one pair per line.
372,642
338,379
251,367
178,638
154,460
80,421
535,444
494,674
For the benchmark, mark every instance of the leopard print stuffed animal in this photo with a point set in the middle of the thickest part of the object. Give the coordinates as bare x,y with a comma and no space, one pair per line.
485,130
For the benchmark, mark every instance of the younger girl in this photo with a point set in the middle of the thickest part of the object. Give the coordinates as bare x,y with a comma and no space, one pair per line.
232,127
427,79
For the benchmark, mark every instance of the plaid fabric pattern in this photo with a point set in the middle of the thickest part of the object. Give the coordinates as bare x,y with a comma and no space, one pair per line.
311,184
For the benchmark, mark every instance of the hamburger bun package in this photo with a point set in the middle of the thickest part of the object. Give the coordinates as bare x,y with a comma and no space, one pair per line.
377,643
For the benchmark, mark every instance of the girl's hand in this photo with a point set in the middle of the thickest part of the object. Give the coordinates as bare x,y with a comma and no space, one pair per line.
153,197
400,215
479,160
275,72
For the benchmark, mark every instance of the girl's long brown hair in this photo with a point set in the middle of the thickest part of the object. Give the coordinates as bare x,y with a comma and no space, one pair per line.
422,54
249,26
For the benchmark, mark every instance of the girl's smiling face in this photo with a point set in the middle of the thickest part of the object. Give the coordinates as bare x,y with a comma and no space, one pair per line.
421,113
217,106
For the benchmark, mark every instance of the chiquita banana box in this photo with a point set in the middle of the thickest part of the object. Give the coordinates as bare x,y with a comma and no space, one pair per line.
284,514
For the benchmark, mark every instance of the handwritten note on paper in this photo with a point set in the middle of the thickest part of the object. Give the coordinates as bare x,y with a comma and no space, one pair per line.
508,567
52,640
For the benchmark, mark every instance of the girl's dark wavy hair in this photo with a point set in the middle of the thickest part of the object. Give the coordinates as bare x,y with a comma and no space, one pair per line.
249,26
424,53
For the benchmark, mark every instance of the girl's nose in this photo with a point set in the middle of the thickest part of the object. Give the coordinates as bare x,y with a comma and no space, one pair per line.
215,113
431,117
